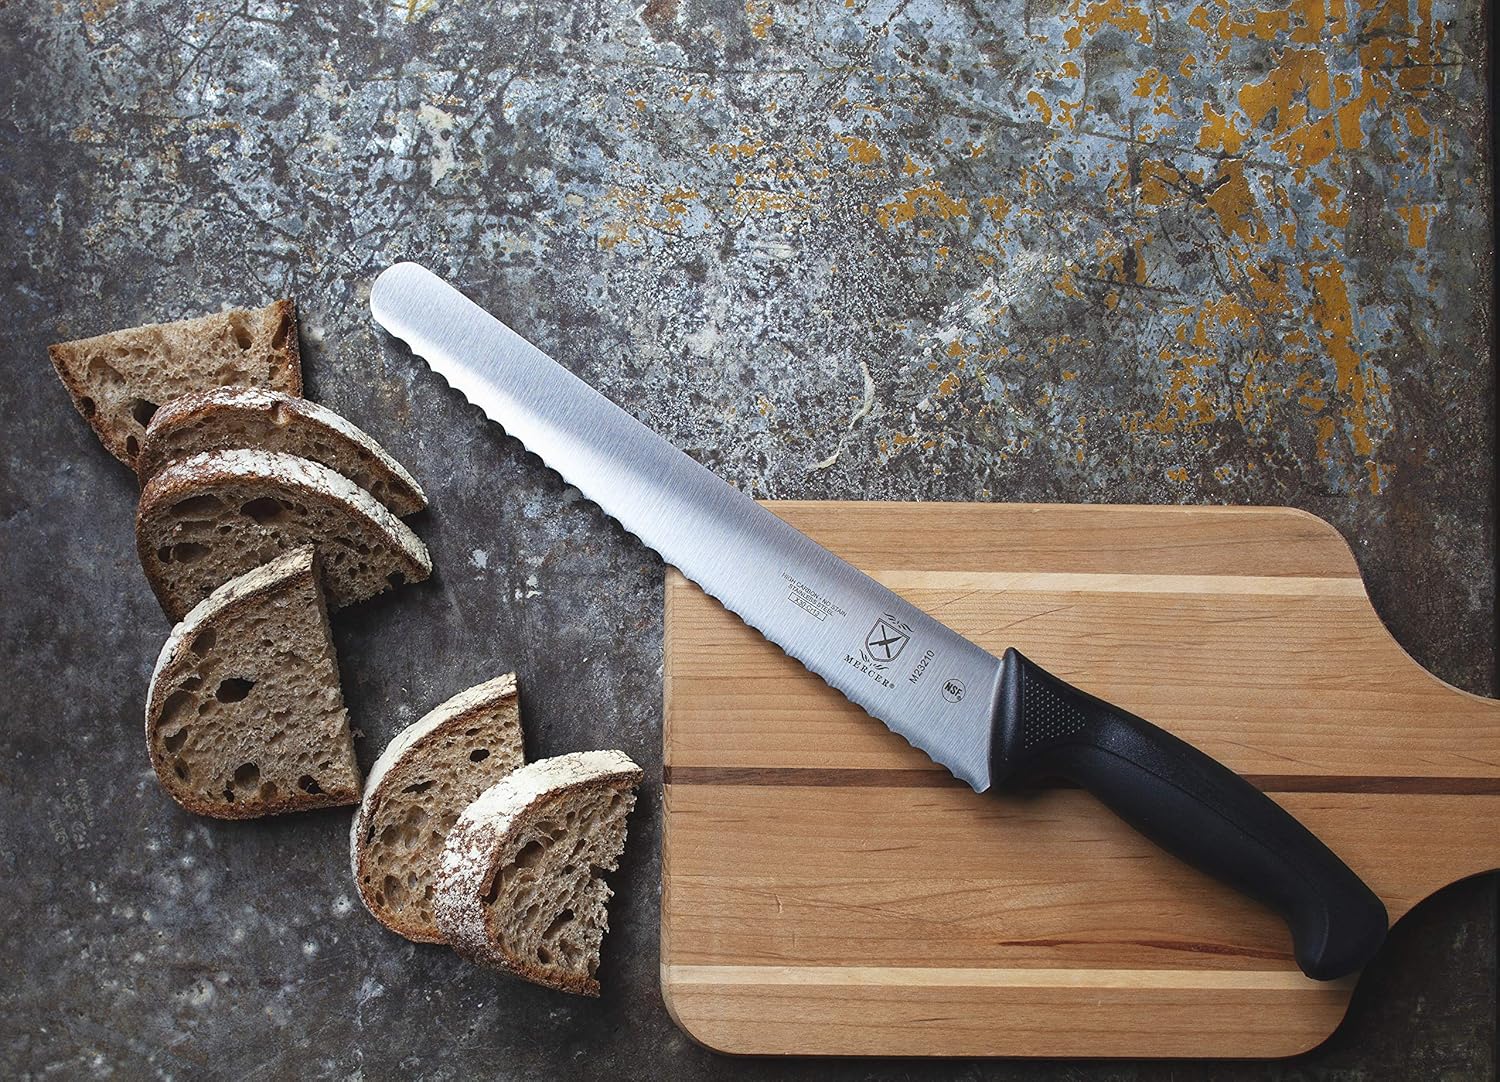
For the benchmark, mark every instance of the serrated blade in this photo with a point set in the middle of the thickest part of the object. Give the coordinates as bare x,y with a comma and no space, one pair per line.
925,681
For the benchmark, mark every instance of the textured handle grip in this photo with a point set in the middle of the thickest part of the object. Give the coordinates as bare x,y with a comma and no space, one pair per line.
1190,805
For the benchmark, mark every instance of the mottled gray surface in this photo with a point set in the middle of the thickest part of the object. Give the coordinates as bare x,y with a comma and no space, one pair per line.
1079,252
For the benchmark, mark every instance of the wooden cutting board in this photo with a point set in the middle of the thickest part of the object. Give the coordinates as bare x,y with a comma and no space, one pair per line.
828,890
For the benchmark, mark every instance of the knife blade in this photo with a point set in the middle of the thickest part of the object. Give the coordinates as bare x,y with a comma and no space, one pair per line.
990,721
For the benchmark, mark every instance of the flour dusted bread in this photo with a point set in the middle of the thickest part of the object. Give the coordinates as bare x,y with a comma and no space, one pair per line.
244,716
212,516
267,420
117,380
521,885
424,779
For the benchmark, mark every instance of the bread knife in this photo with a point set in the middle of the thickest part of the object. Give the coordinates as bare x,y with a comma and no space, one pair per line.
995,723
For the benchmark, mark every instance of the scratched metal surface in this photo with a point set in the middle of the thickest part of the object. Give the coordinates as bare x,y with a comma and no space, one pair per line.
1095,250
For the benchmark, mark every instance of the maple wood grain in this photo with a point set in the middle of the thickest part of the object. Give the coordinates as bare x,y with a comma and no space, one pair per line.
827,890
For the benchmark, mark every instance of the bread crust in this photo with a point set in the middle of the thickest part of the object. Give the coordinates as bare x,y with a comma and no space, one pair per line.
201,474
472,853
453,713
276,409
226,605
65,355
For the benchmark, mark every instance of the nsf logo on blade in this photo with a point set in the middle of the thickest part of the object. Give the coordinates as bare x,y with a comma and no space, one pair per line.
886,640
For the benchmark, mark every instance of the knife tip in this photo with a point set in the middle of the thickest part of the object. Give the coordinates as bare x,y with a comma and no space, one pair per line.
391,282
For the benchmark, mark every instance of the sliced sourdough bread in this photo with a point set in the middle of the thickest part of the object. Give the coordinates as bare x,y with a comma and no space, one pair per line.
117,380
245,716
267,420
212,516
520,886
424,779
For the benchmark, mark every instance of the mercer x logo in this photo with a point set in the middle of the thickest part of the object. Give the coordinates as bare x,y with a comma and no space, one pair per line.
886,640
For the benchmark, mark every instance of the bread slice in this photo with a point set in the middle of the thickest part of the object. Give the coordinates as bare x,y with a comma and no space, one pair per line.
426,776
118,379
230,417
212,516
245,716
520,885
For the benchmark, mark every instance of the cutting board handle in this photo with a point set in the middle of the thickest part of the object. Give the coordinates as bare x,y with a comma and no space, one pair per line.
1192,806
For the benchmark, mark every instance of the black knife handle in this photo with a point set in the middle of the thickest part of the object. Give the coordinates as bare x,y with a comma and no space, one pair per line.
1190,805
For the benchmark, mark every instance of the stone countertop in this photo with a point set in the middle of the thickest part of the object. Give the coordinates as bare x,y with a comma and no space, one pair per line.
1094,252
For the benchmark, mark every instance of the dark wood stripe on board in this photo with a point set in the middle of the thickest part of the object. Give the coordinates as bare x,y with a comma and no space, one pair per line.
859,777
